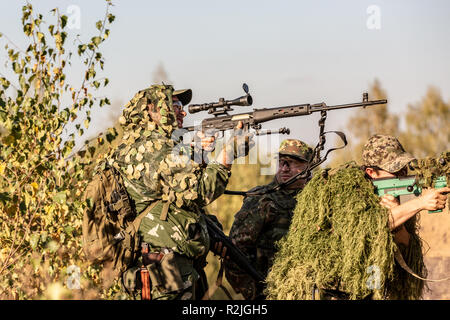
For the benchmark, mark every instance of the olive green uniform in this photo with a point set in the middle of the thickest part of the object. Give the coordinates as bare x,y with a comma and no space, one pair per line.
153,170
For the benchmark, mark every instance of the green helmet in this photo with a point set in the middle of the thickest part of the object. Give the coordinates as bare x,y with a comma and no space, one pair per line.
295,148
385,152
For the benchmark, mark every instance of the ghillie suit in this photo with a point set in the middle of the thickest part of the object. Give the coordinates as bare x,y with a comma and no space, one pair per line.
339,240
428,169
171,190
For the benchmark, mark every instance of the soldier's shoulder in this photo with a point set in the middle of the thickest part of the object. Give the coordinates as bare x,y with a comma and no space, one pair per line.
251,202
261,189
252,199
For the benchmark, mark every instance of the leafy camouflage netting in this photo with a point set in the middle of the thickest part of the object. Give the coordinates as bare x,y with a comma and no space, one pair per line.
428,169
339,239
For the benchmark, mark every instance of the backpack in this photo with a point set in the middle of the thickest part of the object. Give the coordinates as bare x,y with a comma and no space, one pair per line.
110,225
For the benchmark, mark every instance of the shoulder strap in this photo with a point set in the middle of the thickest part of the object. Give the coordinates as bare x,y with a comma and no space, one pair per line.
217,284
135,225
164,211
398,256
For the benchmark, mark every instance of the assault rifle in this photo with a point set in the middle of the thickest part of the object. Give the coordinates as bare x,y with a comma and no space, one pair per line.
408,185
223,121
237,256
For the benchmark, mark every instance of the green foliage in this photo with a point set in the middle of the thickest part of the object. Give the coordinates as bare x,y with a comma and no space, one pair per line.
40,188
427,126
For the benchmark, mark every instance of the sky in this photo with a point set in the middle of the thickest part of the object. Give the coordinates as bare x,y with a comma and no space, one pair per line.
288,52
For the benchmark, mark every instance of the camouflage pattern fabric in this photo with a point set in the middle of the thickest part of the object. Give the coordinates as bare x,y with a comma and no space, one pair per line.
296,148
385,152
257,226
153,171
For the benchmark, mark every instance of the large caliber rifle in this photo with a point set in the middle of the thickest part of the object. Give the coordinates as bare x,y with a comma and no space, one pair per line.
223,121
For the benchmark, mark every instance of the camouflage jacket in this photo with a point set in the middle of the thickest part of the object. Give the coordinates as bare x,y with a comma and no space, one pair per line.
259,224
152,168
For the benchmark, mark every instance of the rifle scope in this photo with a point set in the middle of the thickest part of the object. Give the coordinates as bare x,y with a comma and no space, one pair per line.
246,100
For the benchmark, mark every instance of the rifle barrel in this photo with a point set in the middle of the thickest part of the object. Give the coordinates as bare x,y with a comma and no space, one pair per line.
320,107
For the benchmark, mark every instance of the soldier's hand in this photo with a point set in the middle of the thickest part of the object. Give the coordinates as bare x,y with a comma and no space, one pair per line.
207,141
434,199
237,146
389,201
241,142
220,250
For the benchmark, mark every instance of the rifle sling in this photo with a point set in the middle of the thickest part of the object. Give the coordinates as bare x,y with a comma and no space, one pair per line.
399,258
217,284
164,211
302,175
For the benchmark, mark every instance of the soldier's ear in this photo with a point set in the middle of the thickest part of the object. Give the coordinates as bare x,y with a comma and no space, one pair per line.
372,172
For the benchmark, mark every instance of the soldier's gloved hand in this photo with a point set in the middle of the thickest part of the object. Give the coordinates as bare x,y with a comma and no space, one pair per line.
240,144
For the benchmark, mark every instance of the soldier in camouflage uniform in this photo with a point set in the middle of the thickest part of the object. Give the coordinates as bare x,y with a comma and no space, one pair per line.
265,219
171,186
384,157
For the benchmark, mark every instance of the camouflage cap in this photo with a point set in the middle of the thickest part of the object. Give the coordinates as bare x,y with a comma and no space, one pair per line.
295,148
184,95
385,152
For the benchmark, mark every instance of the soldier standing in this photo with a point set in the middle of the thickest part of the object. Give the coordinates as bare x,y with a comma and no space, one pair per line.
265,219
172,188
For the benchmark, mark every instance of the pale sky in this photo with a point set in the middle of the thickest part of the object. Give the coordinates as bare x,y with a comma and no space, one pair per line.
288,52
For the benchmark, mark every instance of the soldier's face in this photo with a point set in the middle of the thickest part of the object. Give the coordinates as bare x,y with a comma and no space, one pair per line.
179,112
380,173
289,167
